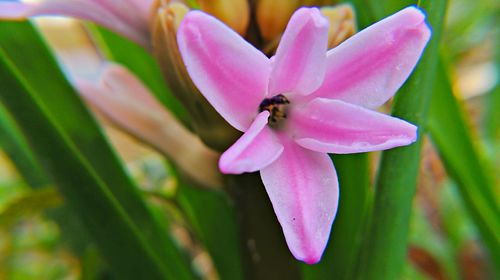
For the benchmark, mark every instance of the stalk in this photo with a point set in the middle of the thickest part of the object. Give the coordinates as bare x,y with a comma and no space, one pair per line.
384,250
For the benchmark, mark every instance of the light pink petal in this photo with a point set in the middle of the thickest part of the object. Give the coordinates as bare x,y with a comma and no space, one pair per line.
371,66
256,149
142,6
121,81
333,126
113,15
228,71
133,12
303,189
124,100
299,63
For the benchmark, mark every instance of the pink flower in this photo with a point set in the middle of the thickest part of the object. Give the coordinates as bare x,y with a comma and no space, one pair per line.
303,103
127,17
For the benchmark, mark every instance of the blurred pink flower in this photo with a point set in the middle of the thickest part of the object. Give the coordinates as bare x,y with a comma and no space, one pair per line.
127,17
303,103
129,104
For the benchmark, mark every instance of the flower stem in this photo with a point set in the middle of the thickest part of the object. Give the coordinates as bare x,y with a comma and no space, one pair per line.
265,253
384,250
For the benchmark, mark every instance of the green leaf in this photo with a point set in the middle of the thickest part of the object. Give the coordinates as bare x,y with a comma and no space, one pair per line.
492,116
424,236
457,226
31,59
392,6
142,64
345,238
16,148
384,248
454,143
126,251
366,11
214,223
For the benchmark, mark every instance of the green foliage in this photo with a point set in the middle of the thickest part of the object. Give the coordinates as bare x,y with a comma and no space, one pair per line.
453,140
73,150
15,146
214,223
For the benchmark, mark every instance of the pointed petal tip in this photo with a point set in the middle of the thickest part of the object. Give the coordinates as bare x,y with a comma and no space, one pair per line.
354,130
256,149
311,256
417,16
313,14
190,28
300,61
413,135
368,68
415,12
303,188
193,19
226,167
312,259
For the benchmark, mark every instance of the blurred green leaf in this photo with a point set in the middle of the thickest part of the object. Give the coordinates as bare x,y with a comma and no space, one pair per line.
491,120
457,225
411,273
142,64
370,11
40,200
392,6
214,223
454,143
93,267
16,148
384,249
345,238
470,26
35,65
425,237
365,15
82,189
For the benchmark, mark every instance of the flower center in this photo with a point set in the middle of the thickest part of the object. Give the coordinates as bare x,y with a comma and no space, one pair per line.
277,107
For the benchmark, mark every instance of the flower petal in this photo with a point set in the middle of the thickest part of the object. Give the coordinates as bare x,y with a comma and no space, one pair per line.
299,63
129,11
333,126
256,149
142,6
371,66
228,71
126,102
303,189
102,12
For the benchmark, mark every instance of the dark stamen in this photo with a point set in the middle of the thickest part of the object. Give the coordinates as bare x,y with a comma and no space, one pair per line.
276,105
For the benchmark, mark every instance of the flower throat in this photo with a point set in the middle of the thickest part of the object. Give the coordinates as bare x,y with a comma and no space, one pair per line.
277,107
